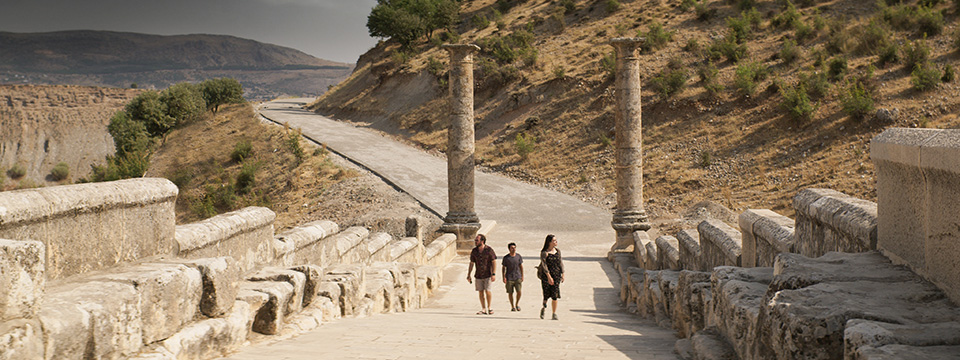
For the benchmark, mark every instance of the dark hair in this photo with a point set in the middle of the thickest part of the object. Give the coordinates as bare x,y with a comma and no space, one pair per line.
546,242
483,238
511,244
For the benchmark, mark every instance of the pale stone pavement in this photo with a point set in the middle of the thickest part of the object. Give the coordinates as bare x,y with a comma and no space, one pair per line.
591,323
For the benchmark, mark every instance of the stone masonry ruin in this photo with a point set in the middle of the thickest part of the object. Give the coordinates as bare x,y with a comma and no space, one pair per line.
847,278
101,271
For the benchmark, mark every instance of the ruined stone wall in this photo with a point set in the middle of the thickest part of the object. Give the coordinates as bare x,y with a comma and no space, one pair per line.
89,227
918,187
829,220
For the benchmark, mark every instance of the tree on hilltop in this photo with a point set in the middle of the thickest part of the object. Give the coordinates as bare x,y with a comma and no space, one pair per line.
407,20
221,91
184,103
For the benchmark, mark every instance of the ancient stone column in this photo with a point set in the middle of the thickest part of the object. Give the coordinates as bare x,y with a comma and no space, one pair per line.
461,218
629,215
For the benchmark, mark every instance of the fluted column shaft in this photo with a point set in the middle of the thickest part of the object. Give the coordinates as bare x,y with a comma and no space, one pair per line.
462,217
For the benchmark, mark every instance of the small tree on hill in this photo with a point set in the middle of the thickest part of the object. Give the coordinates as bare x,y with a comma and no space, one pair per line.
184,103
148,109
408,20
221,91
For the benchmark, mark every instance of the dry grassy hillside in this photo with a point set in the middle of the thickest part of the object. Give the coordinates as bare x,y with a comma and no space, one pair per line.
41,126
736,148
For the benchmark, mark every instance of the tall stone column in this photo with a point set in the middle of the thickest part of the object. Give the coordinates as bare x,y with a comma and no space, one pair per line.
461,218
629,215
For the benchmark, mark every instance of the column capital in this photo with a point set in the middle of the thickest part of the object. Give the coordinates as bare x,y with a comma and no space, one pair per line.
460,48
627,47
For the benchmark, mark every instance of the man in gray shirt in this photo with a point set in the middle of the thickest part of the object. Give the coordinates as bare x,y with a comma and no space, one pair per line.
513,275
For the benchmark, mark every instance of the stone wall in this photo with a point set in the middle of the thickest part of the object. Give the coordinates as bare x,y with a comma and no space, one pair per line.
765,234
245,235
89,227
829,220
918,187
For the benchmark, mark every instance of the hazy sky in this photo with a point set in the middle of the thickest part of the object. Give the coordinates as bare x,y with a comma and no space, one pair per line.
329,29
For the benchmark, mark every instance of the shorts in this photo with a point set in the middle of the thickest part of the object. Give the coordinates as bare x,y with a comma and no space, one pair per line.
482,284
513,285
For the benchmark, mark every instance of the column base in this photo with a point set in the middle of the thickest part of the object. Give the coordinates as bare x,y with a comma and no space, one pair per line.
625,223
466,233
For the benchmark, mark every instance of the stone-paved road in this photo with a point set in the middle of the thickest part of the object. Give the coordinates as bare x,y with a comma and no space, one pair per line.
592,325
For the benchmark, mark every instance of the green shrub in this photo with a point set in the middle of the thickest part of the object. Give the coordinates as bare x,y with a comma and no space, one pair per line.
510,48
613,5
608,64
480,21
713,89
948,74
185,103
559,72
686,5
670,82
929,21
746,4
816,84
728,48
856,100
181,177
247,178
222,198
129,165
293,145
569,6
797,104
435,67
693,45
707,72
494,74
704,13
889,54
705,159
839,41
956,39
900,17
740,29
241,150
16,171
925,76
747,77
605,140
922,19
872,37
803,31
147,108
786,18
837,68
221,91
789,52
656,36
60,171
129,136
915,53
525,145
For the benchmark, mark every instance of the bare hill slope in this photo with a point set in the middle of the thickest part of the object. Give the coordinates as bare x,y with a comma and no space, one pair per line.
737,147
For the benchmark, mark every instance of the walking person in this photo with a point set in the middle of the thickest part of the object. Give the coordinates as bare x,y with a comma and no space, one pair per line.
483,257
513,275
551,274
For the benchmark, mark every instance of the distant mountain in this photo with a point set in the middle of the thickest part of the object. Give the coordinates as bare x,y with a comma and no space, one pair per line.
104,58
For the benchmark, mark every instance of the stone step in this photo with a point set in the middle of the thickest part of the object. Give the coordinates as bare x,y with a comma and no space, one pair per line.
689,240
720,244
352,281
689,310
865,339
668,252
738,295
708,344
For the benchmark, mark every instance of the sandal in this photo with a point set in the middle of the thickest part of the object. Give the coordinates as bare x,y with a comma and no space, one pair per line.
490,312
482,312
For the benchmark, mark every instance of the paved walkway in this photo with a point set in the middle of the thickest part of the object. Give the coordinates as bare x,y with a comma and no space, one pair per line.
591,323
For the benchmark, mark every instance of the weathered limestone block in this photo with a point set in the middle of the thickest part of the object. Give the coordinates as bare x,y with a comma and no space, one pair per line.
245,235
219,277
668,252
345,243
254,299
640,241
414,227
211,338
621,262
270,316
169,296
668,287
765,234
352,282
21,278
406,250
897,352
366,308
688,310
379,288
708,344
809,321
684,349
720,244
637,290
94,226
689,240
313,277
330,311
407,295
918,182
305,243
650,263
308,319
432,275
441,250
329,292
376,245
296,279
829,220
99,320
738,295
862,337
21,339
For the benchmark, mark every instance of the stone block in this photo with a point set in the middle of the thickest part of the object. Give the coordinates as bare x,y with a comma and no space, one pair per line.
93,226
330,310
765,234
738,295
270,316
407,295
219,277
99,320
433,275
650,262
897,352
413,227
708,344
211,338
311,286
331,290
245,235
375,248
406,250
296,279
668,252
668,282
688,310
684,349
809,321
21,278
169,296
640,240
352,282
441,250
829,220
380,290
312,244
21,339
345,242
720,244
863,336
689,240
636,289
254,299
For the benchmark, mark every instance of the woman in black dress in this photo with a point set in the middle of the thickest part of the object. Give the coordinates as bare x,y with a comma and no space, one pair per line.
551,267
